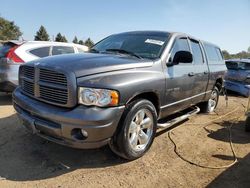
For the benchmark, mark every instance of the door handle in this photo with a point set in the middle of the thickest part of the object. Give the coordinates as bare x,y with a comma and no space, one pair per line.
191,74
205,72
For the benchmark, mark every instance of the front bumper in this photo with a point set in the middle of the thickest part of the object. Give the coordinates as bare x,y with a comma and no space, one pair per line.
61,125
238,87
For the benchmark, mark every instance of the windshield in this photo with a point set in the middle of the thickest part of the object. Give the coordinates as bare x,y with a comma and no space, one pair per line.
238,65
148,46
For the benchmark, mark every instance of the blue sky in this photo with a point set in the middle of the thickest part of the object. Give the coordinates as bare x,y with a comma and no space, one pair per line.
223,22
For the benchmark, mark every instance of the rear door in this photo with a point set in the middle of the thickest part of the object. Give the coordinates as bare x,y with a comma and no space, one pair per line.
200,71
179,82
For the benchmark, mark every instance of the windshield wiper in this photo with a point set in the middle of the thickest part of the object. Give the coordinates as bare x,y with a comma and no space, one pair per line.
93,50
124,52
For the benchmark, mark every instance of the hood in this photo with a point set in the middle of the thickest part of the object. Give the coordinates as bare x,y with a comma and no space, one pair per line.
90,63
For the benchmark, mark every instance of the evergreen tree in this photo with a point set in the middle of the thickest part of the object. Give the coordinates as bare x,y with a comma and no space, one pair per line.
89,43
75,40
42,34
60,38
64,39
81,42
8,30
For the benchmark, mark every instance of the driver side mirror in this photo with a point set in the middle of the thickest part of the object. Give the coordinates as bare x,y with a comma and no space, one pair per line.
181,57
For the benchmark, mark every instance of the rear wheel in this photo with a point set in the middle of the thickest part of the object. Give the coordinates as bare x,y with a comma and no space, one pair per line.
210,105
136,131
247,124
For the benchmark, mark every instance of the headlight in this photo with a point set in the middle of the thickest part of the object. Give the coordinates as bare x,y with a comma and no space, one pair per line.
98,97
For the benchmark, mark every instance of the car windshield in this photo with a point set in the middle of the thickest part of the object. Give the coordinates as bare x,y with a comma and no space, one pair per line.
238,65
148,46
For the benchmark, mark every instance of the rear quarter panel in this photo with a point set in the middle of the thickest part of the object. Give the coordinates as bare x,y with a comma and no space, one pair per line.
217,72
23,51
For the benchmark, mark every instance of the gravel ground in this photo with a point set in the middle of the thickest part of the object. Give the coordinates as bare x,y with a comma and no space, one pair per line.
29,161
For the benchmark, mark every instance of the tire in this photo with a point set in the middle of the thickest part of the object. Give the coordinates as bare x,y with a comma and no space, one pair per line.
136,130
210,105
247,124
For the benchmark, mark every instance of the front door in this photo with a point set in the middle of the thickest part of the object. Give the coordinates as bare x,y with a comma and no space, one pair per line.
179,81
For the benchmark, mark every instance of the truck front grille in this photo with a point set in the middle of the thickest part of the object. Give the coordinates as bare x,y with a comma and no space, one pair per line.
28,87
28,72
54,95
46,85
52,77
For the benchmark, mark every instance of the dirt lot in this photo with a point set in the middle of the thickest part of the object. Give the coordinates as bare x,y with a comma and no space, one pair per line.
29,161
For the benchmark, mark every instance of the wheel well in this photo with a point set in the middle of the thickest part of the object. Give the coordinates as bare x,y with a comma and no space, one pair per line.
151,96
219,83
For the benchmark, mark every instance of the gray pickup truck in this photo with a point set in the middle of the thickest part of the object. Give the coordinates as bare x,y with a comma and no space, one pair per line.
118,92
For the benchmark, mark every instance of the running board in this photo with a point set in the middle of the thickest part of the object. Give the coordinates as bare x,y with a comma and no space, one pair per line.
172,122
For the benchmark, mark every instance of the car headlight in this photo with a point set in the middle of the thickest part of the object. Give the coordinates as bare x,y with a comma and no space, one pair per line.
98,97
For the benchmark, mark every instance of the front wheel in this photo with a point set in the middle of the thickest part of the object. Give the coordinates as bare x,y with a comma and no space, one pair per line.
136,130
210,105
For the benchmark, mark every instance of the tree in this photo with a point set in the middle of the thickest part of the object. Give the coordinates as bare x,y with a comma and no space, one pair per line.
81,42
8,30
64,39
89,43
75,40
241,55
60,38
226,54
42,34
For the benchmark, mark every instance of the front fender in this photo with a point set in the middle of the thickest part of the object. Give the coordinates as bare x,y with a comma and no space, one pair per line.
128,83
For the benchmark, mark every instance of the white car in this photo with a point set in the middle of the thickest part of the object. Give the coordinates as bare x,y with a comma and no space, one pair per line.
14,53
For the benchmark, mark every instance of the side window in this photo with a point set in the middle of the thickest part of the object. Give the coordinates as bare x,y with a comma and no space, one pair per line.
213,54
180,44
58,50
40,52
197,53
219,54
